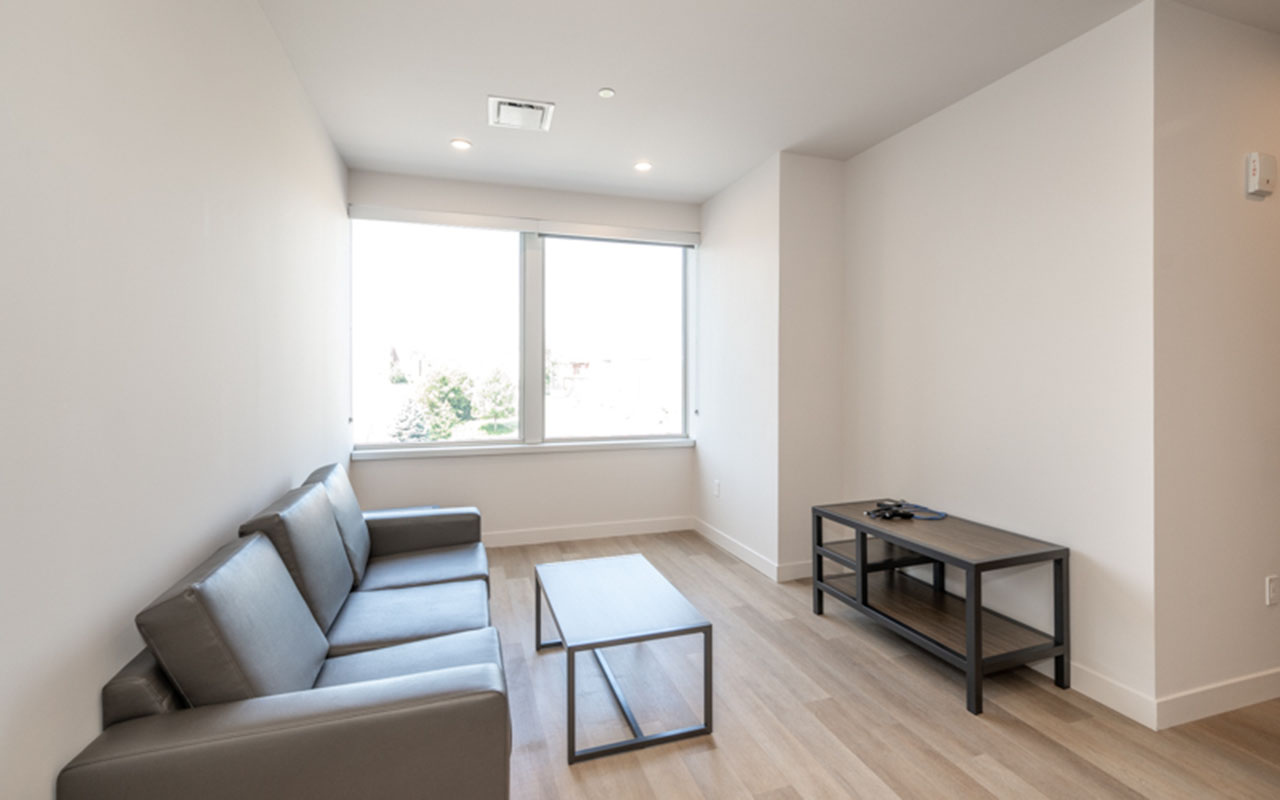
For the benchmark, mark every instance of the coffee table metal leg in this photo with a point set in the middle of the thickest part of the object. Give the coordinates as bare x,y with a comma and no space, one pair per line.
640,739
538,644
706,679
570,692
537,613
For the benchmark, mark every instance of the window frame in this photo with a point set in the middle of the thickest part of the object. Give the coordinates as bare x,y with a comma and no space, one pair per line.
531,430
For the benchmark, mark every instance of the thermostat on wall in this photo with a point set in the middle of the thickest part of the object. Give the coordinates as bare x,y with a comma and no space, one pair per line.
1261,174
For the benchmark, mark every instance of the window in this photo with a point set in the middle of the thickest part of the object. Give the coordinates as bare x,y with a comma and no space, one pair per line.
472,336
435,317
614,339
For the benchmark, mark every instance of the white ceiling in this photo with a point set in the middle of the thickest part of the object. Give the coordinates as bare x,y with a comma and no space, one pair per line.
706,89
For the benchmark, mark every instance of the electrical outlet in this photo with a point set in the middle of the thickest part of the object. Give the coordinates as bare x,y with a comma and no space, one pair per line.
1273,589
715,492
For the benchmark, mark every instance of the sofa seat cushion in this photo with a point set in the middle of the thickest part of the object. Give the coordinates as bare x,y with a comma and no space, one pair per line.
394,616
452,650
234,628
439,565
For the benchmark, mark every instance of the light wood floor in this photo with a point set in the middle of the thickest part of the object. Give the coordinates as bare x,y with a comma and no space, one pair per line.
833,706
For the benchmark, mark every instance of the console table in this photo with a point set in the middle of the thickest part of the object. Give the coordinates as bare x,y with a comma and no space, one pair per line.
956,629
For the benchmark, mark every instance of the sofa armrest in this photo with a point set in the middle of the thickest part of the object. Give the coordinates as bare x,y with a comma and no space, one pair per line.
446,733
401,530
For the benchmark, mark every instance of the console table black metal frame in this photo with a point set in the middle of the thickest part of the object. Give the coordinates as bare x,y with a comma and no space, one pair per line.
950,627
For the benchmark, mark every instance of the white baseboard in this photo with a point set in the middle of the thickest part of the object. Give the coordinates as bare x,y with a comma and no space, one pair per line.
760,563
1135,705
1173,709
1216,698
590,530
794,571
737,549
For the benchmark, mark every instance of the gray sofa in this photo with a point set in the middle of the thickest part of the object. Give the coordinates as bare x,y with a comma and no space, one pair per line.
327,653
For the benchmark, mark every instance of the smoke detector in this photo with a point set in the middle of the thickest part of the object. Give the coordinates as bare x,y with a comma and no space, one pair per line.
524,115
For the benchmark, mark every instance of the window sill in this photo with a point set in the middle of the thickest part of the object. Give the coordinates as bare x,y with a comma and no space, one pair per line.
390,453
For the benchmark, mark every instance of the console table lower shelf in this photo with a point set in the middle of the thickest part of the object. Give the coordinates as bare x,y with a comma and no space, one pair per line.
957,629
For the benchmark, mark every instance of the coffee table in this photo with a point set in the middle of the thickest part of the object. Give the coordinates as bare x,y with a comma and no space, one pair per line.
604,602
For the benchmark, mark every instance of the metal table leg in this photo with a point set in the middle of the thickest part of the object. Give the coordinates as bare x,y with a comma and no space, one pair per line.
860,560
1061,622
973,638
706,679
571,659
817,564
639,739
538,644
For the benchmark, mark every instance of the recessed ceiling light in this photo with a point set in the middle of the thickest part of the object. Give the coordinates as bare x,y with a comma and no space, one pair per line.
460,144
606,93
643,166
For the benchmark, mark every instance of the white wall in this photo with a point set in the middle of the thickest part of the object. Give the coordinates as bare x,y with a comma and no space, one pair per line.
999,333
811,351
172,318
542,496
768,386
1217,365
736,387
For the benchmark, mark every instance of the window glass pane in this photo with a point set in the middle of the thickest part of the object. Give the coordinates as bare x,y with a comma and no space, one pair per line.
435,332
614,339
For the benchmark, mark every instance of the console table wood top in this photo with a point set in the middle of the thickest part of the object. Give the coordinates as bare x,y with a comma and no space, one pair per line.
953,540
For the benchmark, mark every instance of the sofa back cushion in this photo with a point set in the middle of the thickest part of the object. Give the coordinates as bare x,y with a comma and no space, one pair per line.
347,513
139,689
302,527
235,627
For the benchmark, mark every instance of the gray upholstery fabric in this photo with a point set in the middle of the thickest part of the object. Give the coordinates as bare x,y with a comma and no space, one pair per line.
346,510
140,689
453,650
420,567
394,616
436,734
302,527
400,530
235,627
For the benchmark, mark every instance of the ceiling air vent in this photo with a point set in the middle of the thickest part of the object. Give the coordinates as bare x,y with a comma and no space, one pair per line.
525,115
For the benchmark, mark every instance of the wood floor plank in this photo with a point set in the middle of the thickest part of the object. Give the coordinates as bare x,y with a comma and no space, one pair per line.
668,774
807,769
999,780
785,793
831,706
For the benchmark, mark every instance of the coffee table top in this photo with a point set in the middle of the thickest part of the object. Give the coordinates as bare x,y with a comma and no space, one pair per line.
601,601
